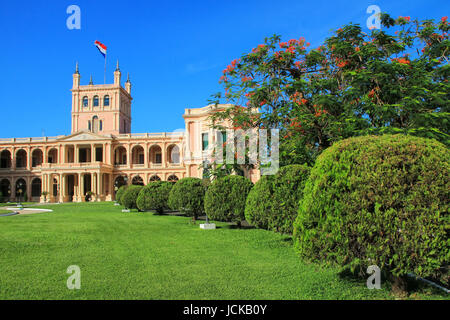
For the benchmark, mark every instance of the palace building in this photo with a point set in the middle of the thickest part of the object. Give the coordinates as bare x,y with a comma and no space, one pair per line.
101,153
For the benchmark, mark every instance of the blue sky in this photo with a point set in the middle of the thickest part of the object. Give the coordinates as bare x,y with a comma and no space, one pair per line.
174,51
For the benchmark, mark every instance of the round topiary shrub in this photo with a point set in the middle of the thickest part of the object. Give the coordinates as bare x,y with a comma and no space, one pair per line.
258,206
154,196
130,196
120,193
379,200
187,196
288,185
225,198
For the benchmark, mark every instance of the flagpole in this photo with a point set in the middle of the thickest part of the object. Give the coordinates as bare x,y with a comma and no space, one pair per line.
104,76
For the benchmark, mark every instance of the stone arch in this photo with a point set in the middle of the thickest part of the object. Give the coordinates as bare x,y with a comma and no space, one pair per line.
21,158
5,159
52,155
21,187
173,153
37,157
137,155
155,154
5,189
120,155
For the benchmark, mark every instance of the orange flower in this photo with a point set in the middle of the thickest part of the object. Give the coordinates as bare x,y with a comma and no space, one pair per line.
402,60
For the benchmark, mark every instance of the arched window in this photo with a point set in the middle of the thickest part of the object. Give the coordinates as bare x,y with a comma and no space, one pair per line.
85,101
154,178
21,159
172,178
106,101
5,161
137,180
95,101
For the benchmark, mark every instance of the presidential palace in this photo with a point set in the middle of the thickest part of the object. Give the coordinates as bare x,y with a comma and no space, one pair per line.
101,153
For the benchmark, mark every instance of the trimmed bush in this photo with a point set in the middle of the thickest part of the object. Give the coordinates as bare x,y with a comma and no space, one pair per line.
288,186
273,202
120,193
187,196
379,200
225,198
130,196
258,206
154,196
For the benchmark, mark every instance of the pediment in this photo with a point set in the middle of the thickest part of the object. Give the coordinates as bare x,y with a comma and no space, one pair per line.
85,136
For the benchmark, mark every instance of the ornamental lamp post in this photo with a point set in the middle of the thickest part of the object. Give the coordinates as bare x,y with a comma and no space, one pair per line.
116,188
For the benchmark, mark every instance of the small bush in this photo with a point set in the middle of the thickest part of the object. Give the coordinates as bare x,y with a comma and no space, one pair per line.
187,196
120,193
225,198
258,206
154,196
130,196
379,200
288,185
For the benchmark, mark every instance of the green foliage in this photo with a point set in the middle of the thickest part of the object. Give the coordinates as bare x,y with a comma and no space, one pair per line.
393,80
154,196
287,188
120,193
273,202
225,198
379,200
129,198
258,206
187,196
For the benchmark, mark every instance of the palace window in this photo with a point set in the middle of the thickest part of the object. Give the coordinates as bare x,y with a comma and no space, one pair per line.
85,101
224,136
95,101
204,141
106,101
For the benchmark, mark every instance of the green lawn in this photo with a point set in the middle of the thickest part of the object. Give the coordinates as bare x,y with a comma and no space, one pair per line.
145,256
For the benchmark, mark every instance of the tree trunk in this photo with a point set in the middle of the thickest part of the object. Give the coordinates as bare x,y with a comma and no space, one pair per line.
399,286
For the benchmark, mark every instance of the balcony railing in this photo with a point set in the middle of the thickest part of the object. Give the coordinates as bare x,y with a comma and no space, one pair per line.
151,135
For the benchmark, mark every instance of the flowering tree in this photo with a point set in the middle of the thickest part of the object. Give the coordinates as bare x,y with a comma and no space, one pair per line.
393,80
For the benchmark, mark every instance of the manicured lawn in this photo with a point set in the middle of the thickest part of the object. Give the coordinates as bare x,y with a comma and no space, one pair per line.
145,256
